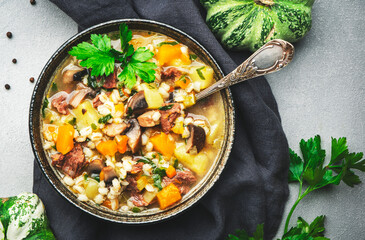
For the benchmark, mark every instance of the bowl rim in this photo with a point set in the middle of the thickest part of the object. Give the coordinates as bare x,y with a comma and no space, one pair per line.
202,189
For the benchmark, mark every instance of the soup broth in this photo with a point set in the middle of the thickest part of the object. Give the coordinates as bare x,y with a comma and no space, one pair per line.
133,148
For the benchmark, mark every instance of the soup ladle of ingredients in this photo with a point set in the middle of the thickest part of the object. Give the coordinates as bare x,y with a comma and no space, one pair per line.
270,58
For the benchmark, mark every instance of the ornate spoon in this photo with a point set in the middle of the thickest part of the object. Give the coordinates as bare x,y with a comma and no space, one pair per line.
270,58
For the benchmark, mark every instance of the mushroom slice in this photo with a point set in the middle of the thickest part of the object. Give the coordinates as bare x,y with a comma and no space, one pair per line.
134,135
73,75
95,167
196,138
137,102
147,119
108,174
115,129
80,74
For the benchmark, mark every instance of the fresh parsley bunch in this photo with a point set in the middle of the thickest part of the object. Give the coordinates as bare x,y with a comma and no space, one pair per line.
101,58
311,174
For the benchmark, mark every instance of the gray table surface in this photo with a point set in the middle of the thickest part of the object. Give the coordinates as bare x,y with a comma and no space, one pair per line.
321,92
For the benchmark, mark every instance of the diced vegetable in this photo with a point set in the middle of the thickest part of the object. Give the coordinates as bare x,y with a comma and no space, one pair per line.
107,148
183,82
91,188
65,136
89,117
152,96
168,196
148,197
172,55
189,100
213,135
170,172
142,182
178,128
51,116
197,163
163,144
107,203
119,108
202,75
122,142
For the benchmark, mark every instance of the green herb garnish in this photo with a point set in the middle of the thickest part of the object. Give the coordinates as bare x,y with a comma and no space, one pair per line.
136,210
44,106
199,71
72,122
183,78
96,178
167,107
105,118
101,57
167,43
54,147
158,173
129,112
310,172
54,87
93,126
193,57
176,163
86,176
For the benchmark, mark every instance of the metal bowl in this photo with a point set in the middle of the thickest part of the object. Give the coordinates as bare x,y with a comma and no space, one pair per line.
148,216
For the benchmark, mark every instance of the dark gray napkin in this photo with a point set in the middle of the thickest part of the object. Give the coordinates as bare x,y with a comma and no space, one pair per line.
252,188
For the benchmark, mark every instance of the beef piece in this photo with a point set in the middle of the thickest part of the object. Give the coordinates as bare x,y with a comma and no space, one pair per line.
146,119
169,116
109,81
97,102
170,74
182,180
132,186
137,168
57,160
61,104
137,199
113,129
74,161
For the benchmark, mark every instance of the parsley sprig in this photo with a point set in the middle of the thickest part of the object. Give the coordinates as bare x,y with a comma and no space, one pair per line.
101,58
311,173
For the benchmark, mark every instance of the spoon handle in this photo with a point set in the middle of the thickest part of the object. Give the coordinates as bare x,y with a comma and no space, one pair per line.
270,58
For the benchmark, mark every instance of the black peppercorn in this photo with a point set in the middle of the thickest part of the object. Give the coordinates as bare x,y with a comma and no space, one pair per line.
31,79
14,60
32,2
9,34
7,86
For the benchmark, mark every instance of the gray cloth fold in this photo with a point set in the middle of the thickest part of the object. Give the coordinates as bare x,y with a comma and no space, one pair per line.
253,187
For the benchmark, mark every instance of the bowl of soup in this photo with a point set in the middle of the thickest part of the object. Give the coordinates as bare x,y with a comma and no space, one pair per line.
115,126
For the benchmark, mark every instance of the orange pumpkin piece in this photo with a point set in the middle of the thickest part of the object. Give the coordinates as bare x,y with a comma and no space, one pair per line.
171,171
122,143
163,144
183,82
119,108
65,139
172,55
107,203
168,196
107,148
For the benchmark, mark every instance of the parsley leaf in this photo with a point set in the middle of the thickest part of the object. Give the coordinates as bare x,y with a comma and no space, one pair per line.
139,66
158,173
97,56
72,122
44,106
193,57
243,235
295,167
167,107
105,118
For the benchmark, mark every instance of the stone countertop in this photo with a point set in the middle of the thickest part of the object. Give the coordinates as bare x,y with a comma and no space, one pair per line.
321,92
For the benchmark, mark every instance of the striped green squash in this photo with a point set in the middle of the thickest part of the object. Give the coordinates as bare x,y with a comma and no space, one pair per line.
24,217
249,24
